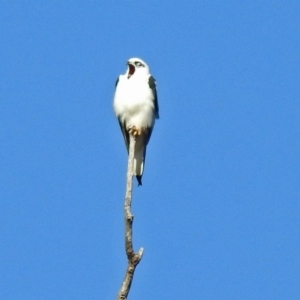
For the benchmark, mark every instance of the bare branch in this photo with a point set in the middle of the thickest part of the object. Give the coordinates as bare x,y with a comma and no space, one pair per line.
133,258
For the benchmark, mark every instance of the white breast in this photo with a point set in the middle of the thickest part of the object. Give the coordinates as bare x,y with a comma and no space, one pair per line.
134,101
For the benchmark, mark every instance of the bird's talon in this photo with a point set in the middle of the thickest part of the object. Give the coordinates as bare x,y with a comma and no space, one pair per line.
134,131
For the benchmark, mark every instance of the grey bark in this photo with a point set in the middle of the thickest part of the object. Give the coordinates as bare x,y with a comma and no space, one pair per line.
132,257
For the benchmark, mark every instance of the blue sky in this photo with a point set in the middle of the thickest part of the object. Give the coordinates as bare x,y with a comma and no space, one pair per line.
218,213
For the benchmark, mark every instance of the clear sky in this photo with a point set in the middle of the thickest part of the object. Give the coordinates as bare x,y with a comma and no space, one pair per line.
218,213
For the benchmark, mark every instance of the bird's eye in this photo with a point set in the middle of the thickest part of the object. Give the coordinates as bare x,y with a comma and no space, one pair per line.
138,64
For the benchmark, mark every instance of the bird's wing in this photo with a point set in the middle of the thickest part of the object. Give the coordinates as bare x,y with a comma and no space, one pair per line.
123,125
152,85
125,133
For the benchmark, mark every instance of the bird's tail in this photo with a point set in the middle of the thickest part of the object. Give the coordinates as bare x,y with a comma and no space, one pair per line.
139,158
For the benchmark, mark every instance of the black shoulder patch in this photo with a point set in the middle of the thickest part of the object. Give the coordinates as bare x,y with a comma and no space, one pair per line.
117,81
152,83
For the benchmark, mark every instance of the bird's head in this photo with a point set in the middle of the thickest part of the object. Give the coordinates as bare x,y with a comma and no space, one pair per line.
136,66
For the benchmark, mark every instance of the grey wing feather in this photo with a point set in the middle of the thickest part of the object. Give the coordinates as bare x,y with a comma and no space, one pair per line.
148,136
152,85
123,126
125,134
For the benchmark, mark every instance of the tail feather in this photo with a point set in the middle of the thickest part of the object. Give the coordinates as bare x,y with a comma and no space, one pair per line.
139,158
139,179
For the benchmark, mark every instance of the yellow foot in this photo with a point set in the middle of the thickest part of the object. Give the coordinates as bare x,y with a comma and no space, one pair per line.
134,131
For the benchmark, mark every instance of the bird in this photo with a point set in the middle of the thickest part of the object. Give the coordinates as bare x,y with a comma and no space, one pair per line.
136,108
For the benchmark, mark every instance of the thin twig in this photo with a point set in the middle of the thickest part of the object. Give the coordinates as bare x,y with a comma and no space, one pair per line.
133,258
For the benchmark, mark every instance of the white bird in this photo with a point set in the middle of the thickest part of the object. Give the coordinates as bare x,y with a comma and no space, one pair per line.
136,107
